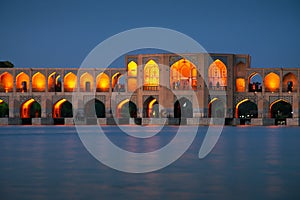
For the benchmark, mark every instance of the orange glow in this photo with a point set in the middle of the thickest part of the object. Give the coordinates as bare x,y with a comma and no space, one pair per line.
70,82
57,107
38,82
103,82
1,101
25,109
119,107
132,68
240,85
237,107
183,74
51,80
151,74
115,78
277,102
20,79
217,73
6,82
272,82
84,79
289,77
151,106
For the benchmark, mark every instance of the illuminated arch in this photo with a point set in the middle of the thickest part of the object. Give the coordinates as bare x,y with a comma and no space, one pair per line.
86,82
216,108
102,82
132,69
22,82
272,82
30,109
126,109
6,82
281,109
94,108
289,82
183,75
151,74
4,109
70,82
255,82
217,74
151,108
246,109
54,82
240,85
62,109
38,82
183,108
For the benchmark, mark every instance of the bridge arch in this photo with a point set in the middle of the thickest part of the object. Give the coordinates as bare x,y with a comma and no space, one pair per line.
30,109
216,108
281,109
86,82
62,109
272,82
246,109
151,75
6,82
54,82
255,82
126,109
4,109
94,108
70,82
217,75
289,82
151,108
102,82
183,108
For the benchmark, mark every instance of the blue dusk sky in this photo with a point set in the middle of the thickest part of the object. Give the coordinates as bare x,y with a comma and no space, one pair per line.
62,33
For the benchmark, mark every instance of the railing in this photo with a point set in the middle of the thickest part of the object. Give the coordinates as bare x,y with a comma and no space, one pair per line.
150,88
218,88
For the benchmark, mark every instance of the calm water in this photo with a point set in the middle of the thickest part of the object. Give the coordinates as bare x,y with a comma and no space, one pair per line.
246,163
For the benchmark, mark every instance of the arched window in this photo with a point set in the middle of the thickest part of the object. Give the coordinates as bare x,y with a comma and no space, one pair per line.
70,82
54,82
22,82
289,83
272,82
102,82
151,76
6,82
255,82
132,69
38,82
217,75
183,75
86,82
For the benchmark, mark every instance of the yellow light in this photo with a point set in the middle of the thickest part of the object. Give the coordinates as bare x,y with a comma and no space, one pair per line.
151,74
272,82
151,106
22,77
1,101
240,85
132,68
70,81
6,80
119,107
38,82
103,81
57,107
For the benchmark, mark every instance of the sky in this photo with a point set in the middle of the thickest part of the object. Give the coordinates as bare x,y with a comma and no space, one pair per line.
62,33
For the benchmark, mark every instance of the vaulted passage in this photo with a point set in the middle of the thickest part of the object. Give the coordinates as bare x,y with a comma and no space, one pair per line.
151,108
54,82
102,82
94,108
272,82
62,109
30,109
126,109
70,82
22,82
281,109
216,108
4,109
289,83
183,108
86,82
255,82
38,82
217,75
246,109
6,82
151,75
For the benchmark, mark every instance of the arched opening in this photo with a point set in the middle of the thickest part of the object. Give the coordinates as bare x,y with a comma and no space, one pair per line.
132,69
86,82
62,109
126,109
118,82
216,108
246,109
240,85
102,82
289,83
54,82
183,108
22,82
30,109
94,108
255,82
4,109
151,76
38,82
217,75
272,82
70,82
151,108
6,82
183,75
281,109
132,74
